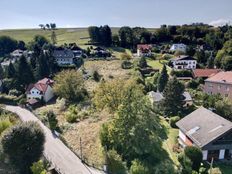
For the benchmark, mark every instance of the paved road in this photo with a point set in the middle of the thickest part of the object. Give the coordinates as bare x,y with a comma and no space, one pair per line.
61,157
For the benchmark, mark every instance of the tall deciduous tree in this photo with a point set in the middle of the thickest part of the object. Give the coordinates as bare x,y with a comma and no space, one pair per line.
106,36
227,63
163,79
110,94
70,85
126,37
173,97
24,145
134,131
7,45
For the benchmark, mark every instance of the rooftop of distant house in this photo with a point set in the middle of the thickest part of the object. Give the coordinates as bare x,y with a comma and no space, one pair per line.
157,96
197,73
221,77
203,126
144,47
182,57
41,85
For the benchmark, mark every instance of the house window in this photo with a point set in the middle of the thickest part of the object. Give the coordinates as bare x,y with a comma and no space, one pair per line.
227,88
219,87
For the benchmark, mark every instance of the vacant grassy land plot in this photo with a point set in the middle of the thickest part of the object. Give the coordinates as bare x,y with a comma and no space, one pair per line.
107,69
86,130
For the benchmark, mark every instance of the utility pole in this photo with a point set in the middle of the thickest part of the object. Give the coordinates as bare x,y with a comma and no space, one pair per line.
81,149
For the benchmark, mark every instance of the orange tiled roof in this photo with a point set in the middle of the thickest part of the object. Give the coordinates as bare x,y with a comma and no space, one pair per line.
205,72
223,77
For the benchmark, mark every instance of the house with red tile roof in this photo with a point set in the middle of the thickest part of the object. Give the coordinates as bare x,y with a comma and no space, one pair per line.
204,73
220,83
144,50
41,90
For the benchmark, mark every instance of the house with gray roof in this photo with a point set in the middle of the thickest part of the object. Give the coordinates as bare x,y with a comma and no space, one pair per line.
64,57
156,97
208,131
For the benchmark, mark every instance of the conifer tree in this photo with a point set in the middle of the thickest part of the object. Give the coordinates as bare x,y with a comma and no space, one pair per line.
142,62
163,79
1,72
11,72
42,69
173,103
24,73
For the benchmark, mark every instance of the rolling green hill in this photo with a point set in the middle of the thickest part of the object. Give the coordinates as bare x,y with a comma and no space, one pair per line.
64,35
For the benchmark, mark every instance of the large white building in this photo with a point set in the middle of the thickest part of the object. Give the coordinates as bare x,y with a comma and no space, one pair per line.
178,47
184,62
64,56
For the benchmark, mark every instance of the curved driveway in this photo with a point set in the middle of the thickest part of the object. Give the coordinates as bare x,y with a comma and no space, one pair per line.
60,156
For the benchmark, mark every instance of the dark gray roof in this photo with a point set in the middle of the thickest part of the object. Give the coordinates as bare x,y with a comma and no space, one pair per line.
183,57
157,96
66,53
203,126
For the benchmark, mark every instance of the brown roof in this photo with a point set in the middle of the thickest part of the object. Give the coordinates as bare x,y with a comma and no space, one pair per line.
41,85
144,47
32,101
203,126
221,77
205,72
46,81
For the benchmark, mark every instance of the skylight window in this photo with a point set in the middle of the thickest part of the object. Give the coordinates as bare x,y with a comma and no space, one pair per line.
193,130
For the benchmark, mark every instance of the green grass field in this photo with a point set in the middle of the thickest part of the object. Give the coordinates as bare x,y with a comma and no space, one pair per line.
158,64
64,35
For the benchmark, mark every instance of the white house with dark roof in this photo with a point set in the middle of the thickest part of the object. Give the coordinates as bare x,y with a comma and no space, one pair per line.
184,62
208,131
64,56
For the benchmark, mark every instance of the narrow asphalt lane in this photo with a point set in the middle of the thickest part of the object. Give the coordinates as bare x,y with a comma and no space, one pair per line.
60,156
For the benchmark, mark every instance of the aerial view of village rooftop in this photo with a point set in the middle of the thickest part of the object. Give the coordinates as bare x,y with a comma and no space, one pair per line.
116,87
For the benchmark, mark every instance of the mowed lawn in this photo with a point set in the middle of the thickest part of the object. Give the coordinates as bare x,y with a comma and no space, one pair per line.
158,64
171,140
